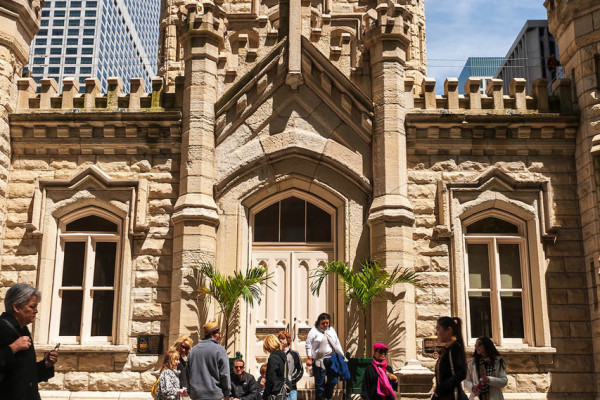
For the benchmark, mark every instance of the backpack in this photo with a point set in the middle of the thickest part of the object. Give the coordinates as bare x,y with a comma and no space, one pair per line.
154,388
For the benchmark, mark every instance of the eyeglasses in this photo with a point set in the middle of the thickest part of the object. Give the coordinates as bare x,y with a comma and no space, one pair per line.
238,367
185,348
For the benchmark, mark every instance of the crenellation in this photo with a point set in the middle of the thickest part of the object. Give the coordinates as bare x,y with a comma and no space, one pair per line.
92,100
495,101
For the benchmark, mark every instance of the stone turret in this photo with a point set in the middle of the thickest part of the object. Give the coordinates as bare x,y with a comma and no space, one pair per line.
576,26
20,21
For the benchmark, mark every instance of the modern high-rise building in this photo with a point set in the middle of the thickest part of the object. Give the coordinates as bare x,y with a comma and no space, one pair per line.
483,68
99,38
532,52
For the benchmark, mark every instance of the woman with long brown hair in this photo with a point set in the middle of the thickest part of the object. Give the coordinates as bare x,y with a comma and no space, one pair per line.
486,374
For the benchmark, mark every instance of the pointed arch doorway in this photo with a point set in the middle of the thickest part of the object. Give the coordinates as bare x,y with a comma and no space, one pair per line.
292,233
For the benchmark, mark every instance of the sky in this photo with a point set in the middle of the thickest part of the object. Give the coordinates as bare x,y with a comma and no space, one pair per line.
458,29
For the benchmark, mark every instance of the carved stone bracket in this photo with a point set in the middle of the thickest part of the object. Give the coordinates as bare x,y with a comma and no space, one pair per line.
94,187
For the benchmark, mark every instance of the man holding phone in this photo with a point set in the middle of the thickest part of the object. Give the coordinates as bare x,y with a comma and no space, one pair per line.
19,372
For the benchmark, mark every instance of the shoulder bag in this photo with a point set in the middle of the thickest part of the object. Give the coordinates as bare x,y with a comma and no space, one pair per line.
457,395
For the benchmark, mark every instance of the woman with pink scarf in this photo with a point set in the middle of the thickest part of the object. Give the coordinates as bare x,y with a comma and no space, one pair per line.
379,383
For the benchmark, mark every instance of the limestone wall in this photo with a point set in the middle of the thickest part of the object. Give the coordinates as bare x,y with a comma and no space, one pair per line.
442,153
127,160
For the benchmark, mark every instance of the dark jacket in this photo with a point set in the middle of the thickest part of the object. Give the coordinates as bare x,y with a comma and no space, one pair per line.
21,372
182,368
295,373
445,381
245,388
275,373
369,384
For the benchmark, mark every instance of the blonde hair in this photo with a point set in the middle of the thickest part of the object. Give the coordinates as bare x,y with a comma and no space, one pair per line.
271,344
170,359
183,340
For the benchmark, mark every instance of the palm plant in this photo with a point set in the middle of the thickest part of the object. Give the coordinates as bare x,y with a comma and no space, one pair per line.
364,285
227,290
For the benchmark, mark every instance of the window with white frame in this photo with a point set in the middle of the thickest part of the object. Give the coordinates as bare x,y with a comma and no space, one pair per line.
85,279
497,279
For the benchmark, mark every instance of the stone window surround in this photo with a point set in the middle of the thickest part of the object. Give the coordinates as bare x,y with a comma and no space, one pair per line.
87,191
497,193
62,237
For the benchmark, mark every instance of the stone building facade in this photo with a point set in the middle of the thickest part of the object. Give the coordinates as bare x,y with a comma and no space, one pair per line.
288,134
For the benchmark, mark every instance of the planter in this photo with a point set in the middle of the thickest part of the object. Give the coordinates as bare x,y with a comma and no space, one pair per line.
357,368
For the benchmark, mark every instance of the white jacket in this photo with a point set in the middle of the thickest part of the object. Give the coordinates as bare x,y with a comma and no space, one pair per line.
497,380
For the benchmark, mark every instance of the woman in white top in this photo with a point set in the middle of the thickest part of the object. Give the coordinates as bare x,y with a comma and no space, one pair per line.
321,343
486,374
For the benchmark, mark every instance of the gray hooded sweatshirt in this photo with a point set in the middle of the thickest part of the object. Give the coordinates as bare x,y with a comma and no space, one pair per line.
208,371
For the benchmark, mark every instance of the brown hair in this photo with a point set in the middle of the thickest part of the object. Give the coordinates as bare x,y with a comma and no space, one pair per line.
263,369
285,334
170,359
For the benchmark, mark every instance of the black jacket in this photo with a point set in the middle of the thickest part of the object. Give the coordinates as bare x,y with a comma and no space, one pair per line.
445,381
245,388
275,373
296,373
21,372
369,384
182,368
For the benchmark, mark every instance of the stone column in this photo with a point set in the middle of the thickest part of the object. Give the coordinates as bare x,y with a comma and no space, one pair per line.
20,21
390,216
574,24
195,218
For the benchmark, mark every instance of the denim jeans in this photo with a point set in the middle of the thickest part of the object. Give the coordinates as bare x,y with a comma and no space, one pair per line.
323,380
293,395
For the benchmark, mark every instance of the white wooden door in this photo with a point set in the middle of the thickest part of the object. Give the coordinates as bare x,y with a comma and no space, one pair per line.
290,305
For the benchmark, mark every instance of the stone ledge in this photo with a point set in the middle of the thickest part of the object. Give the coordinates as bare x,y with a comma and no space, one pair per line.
90,348
66,395
518,350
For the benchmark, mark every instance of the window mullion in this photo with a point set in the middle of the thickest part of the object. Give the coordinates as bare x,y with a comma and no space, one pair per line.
88,277
495,289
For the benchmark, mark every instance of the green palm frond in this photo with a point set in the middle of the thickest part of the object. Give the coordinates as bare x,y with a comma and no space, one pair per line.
364,285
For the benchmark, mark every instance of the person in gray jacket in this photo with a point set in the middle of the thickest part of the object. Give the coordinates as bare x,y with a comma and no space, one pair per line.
208,367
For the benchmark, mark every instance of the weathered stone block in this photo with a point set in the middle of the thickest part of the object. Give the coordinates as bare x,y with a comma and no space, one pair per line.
76,381
115,381
96,362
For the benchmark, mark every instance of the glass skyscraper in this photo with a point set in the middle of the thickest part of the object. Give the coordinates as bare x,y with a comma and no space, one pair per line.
97,38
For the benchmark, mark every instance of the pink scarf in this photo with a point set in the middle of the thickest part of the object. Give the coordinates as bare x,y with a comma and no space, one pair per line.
384,389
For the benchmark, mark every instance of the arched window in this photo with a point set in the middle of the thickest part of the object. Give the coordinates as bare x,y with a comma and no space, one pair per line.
292,220
86,276
498,298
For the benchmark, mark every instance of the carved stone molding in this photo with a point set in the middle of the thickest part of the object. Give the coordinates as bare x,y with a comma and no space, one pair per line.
90,187
495,188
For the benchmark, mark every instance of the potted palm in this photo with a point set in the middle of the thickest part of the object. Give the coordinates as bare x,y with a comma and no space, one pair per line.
227,290
361,287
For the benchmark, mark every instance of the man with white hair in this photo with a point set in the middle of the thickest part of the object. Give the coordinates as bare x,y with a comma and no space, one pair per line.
17,355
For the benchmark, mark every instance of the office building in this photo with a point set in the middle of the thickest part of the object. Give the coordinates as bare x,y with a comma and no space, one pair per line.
532,52
99,38
483,68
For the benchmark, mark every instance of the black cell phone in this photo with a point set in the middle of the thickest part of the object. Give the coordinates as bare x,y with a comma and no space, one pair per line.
56,347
